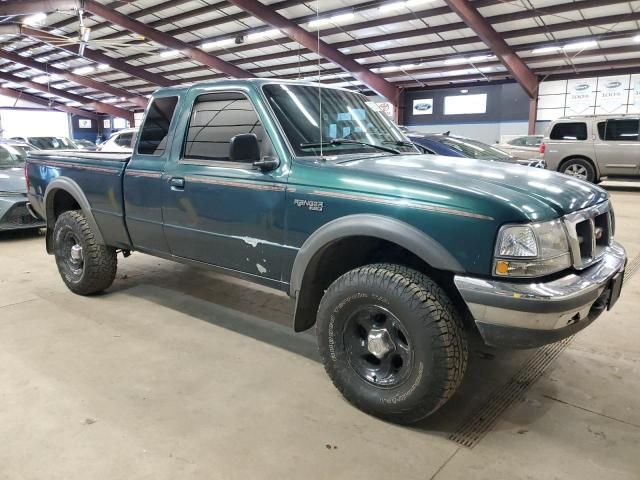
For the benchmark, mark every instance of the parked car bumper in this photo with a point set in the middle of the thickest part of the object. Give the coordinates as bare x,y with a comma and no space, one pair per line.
15,215
518,315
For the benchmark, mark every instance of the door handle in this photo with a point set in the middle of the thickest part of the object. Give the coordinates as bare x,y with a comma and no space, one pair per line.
176,183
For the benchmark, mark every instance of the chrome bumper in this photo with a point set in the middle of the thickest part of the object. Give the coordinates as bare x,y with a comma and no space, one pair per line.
527,315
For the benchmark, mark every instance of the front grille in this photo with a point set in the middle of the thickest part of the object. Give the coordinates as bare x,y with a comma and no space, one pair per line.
590,233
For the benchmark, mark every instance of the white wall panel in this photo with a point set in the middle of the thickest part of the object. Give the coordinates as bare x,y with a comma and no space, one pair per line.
34,123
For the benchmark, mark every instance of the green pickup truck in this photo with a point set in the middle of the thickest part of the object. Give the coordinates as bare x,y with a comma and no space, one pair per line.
394,256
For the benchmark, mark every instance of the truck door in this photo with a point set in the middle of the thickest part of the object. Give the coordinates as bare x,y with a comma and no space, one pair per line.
222,212
143,178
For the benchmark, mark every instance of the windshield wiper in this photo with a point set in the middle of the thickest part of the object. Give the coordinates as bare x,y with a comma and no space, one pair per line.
343,141
400,143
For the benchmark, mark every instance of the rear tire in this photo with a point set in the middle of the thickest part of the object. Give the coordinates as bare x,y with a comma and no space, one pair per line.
579,168
391,341
85,266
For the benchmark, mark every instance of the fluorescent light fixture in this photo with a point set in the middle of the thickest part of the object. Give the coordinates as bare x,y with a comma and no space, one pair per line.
461,60
388,68
572,47
35,19
549,49
169,53
265,34
104,66
455,61
482,58
83,70
636,39
343,17
109,100
318,22
123,99
218,43
40,79
345,50
388,7
409,66
415,3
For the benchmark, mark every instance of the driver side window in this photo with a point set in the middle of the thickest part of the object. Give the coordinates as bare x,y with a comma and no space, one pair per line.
215,119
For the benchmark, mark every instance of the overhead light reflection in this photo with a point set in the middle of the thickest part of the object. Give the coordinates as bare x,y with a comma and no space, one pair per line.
299,104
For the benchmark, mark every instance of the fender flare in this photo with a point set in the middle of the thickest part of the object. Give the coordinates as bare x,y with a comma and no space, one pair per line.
73,189
377,226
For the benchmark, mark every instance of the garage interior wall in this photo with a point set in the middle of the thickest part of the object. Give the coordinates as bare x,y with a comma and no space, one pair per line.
26,122
506,112
605,95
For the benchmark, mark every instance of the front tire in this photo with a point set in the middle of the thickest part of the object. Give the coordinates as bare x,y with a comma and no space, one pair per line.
85,266
391,341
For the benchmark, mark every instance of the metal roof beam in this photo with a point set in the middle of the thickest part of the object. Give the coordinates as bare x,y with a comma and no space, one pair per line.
17,94
98,106
28,7
62,43
476,22
72,77
166,40
306,39
501,18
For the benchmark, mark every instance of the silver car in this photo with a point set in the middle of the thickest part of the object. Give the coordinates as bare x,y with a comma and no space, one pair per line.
593,147
14,212
527,146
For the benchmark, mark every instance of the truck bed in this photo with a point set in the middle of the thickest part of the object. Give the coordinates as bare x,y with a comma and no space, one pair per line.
99,177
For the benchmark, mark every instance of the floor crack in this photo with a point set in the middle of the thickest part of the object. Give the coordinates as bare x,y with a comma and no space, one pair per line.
445,463
555,399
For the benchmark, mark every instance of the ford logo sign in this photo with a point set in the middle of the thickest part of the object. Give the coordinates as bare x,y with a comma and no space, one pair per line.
614,84
582,87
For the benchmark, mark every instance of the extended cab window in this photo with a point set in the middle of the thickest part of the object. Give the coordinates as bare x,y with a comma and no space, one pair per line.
217,118
569,131
153,136
620,130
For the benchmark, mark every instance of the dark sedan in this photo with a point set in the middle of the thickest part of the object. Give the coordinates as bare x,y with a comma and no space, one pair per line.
454,146
13,192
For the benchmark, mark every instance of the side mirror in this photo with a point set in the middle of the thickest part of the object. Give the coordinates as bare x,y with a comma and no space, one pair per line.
244,148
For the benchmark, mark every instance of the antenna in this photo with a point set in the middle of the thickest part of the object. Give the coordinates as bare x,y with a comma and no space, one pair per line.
319,78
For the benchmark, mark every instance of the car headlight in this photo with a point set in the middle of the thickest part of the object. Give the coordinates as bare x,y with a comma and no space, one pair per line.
531,250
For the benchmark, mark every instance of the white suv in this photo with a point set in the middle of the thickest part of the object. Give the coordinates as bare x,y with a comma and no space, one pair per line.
592,147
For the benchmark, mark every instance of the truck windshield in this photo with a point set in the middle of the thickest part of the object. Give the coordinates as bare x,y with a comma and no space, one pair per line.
333,121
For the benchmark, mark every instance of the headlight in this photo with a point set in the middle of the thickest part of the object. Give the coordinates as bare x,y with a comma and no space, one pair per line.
532,250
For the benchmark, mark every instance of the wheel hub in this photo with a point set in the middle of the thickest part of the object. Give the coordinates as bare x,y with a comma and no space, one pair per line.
76,253
379,342
377,346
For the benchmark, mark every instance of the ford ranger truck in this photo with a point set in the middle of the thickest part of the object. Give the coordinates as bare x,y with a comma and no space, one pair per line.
394,256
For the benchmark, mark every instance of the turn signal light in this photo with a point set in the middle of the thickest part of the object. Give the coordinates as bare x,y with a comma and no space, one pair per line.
543,148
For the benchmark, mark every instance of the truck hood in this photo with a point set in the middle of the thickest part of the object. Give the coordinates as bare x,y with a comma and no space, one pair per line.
12,180
534,192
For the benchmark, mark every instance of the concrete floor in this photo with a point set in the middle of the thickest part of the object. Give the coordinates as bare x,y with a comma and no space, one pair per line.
180,373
